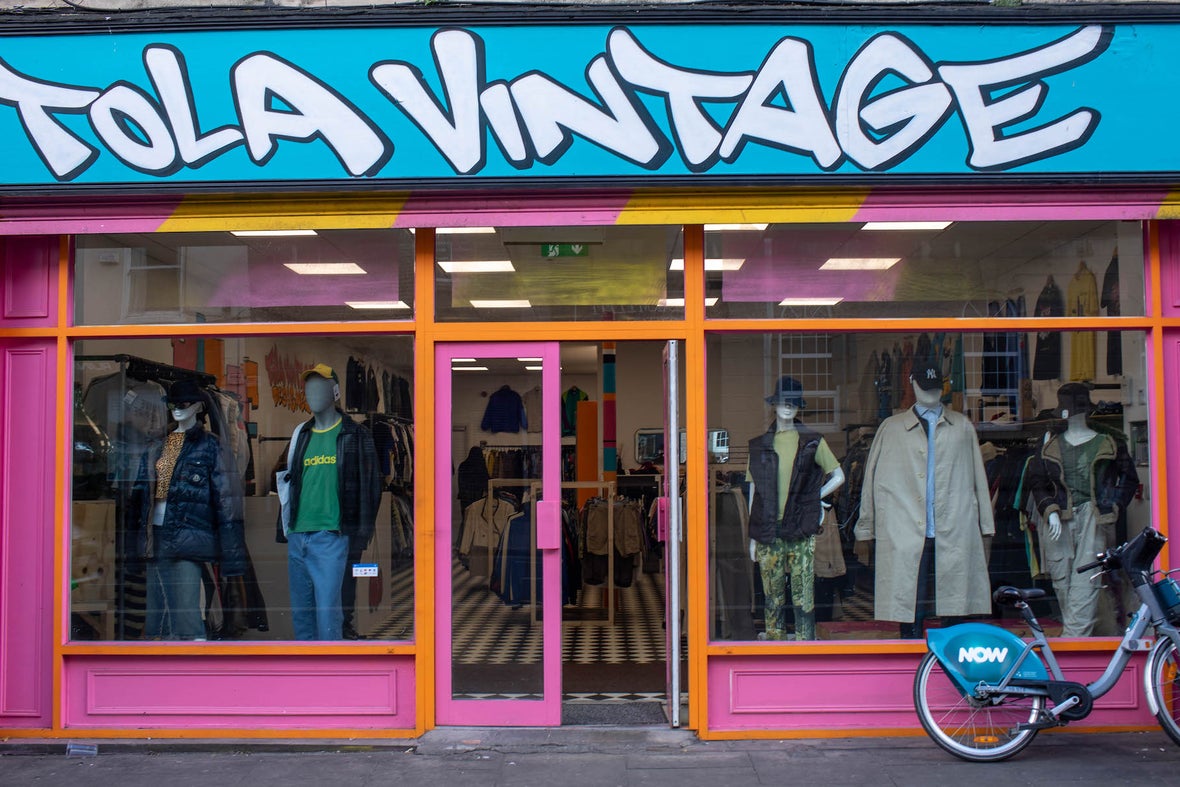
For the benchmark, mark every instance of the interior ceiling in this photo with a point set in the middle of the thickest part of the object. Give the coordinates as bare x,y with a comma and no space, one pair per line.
991,249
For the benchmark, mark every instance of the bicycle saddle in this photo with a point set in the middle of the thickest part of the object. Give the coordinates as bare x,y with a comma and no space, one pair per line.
1008,595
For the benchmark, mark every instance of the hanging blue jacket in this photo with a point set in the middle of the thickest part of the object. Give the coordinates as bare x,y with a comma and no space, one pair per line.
505,412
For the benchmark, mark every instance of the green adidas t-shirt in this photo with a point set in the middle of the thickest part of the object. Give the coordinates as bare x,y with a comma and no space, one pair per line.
319,493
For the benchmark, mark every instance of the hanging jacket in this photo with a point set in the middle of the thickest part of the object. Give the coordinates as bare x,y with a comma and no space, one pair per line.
505,412
203,516
801,516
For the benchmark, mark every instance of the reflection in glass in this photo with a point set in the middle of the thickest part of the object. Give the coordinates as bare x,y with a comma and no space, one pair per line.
496,637
1032,470
253,393
272,276
925,269
559,273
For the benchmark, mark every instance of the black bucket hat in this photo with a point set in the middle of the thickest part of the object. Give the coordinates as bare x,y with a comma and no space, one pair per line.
787,391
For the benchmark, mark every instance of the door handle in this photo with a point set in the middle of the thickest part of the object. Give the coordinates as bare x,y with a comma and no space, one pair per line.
548,524
661,519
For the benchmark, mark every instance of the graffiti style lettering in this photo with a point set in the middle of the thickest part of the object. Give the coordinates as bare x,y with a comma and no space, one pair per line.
985,115
169,76
37,103
552,113
876,133
890,100
697,136
129,123
277,100
802,126
458,134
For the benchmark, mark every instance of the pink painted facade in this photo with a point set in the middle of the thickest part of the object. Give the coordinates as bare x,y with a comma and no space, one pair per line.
121,690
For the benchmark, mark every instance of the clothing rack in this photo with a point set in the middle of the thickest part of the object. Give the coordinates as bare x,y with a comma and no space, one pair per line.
609,487
143,369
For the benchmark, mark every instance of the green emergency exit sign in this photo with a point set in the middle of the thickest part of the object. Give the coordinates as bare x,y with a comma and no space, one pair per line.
550,250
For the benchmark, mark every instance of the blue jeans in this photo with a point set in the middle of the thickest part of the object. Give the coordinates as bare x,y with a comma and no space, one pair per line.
315,572
174,600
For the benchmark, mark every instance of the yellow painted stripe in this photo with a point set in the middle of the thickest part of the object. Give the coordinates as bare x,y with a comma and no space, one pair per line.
285,212
1170,209
726,206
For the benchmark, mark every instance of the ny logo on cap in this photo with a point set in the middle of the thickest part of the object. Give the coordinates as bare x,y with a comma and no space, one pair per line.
930,374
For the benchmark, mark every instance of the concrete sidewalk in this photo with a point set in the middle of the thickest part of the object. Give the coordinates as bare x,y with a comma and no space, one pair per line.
594,757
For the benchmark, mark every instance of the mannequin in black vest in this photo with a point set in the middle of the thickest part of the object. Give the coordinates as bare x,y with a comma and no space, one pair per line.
791,470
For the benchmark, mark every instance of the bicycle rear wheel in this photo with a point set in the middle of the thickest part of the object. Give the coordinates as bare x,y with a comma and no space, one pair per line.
1163,677
967,728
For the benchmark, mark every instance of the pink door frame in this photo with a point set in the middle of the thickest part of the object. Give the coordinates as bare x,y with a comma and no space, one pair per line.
546,712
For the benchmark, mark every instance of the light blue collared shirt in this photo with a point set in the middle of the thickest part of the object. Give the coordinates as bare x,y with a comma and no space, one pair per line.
930,415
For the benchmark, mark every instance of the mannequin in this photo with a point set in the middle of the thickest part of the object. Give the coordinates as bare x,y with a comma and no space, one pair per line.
926,504
1079,480
335,493
190,495
791,470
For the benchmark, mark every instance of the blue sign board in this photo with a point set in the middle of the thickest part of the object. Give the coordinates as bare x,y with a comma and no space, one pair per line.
402,105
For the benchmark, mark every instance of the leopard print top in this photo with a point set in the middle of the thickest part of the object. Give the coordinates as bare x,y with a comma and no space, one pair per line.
167,463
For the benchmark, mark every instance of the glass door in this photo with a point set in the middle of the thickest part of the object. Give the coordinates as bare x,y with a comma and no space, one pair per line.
499,534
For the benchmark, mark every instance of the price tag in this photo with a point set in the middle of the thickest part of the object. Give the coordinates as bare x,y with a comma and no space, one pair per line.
364,569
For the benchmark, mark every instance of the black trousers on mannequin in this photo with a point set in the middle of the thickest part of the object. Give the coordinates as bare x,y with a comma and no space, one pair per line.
924,598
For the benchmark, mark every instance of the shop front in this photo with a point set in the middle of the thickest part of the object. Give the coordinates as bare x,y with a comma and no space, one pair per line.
678,373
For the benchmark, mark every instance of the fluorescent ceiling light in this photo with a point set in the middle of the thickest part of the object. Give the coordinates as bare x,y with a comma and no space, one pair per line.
325,268
530,360
680,302
469,368
522,304
735,227
532,368
477,266
711,264
465,231
271,233
860,263
463,360
377,304
809,301
906,225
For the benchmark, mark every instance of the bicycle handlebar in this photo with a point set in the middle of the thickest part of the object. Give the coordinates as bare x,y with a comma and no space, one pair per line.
1089,566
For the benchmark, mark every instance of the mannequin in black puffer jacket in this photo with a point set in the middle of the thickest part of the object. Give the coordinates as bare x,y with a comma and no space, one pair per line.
188,492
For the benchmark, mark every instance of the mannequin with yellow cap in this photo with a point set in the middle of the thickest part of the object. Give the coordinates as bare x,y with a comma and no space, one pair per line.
335,490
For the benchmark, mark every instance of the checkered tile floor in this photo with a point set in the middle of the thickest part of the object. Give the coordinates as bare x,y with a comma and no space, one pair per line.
487,631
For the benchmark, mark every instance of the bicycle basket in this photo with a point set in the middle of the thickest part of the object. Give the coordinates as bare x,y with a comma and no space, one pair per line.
1168,593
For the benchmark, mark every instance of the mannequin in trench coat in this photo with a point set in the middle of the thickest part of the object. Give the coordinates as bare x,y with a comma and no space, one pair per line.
893,514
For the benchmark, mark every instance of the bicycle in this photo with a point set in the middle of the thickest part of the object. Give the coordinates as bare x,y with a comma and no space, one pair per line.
982,693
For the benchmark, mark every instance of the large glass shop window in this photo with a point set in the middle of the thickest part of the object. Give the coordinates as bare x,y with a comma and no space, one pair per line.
877,484
180,449
529,274
925,269
256,276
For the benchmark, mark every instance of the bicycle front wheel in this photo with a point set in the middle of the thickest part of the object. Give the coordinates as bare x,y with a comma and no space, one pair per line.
1163,675
973,730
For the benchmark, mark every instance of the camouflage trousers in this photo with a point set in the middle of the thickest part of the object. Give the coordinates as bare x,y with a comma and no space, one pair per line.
777,560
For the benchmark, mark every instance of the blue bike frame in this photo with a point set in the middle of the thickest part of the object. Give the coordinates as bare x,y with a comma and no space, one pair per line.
988,662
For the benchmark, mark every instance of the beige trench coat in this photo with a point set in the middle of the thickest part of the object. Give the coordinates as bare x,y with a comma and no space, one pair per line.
893,513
